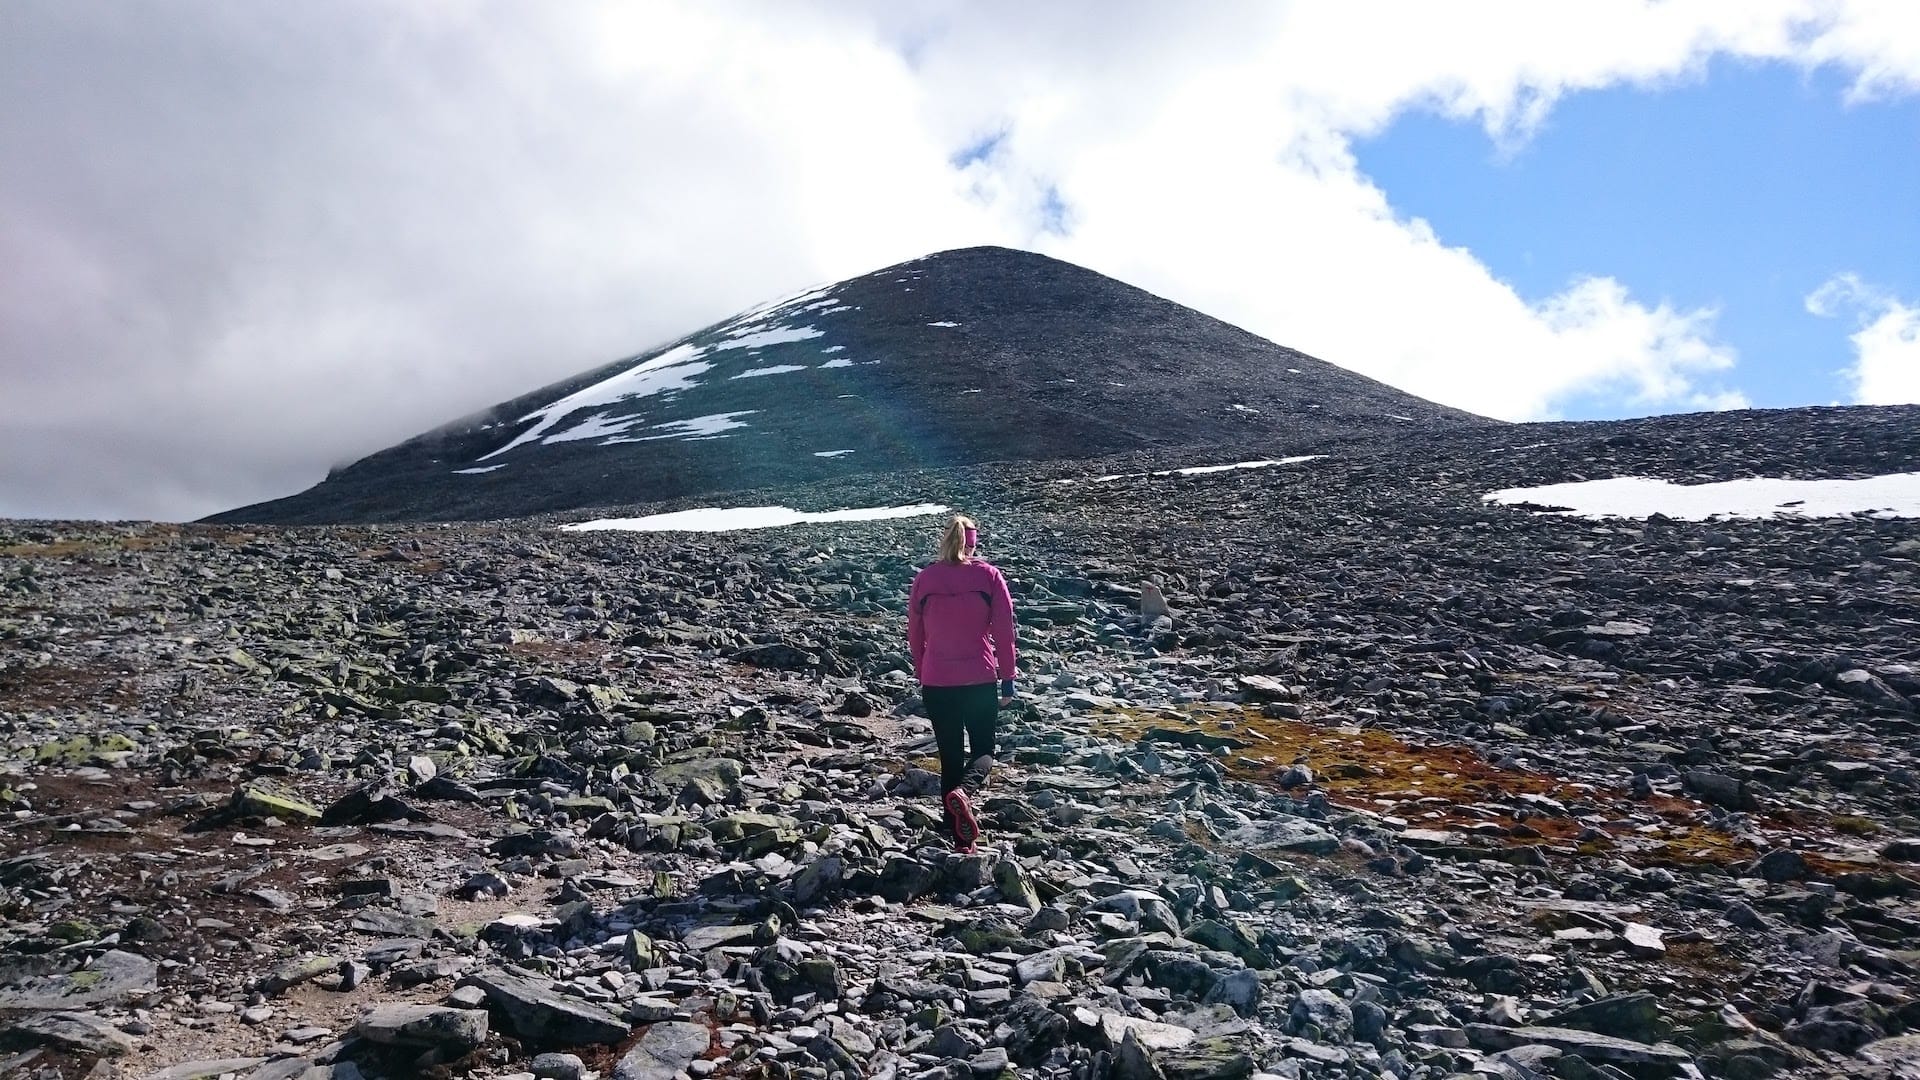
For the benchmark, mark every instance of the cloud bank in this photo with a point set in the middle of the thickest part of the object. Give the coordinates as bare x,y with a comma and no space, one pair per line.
1886,345
242,243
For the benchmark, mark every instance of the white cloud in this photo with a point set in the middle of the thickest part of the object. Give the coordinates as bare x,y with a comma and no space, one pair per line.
267,238
1886,345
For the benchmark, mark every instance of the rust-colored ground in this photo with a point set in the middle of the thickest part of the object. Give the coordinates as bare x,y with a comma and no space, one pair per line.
1452,788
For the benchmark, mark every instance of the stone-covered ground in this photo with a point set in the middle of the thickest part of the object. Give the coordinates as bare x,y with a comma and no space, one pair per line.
1405,785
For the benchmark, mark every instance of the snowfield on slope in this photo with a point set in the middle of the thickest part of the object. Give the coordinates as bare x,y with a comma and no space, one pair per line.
1890,496
730,519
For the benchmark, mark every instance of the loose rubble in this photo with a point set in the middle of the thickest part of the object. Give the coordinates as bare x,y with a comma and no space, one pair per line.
1322,770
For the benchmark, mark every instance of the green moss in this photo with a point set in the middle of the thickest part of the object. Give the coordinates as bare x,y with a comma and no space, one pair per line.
85,749
1854,825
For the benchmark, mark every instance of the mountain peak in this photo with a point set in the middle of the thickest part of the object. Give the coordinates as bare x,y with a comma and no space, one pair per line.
961,356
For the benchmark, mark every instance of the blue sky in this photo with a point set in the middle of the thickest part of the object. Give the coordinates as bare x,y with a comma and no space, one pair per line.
1743,191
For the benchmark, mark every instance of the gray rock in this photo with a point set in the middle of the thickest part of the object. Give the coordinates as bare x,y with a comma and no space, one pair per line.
205,1070
1782,865
701,938
1132,1060
423,1025
1227,938
1029,1030
1047,965
552,1066
1014,885
1586,1044
1110,1029
1643,941
703,781
906,879
1719,788
1325,1012
288,1068
542,1016
954,1042
1285,834
989,1062
639,950
77,1031
1148,909
820,879
1369,1021
1239,991
1626,1016
1896,1052
663,1052
113,977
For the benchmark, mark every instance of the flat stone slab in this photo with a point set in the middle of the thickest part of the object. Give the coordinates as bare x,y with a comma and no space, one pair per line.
701,938
542,1015
205,1070
423,1025
1075,783
84,1032
1150,1034
664,1051
1904,1050
110,979
1285,834
1584,1043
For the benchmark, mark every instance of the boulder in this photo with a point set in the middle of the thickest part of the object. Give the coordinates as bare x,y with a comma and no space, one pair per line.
664,1052
397,1024
542,1016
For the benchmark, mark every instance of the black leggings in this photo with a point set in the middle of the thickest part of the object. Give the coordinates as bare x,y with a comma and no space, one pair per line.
961,715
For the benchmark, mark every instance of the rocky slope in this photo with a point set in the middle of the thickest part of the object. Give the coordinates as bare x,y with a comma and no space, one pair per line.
981,354
1406,784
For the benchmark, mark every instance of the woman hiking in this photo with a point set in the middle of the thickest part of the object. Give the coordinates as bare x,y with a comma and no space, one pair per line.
960,632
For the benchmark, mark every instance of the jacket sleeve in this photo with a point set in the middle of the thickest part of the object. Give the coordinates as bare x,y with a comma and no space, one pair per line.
916,627
1002,628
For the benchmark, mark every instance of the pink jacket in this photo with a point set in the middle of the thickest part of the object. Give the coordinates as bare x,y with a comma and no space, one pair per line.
960,625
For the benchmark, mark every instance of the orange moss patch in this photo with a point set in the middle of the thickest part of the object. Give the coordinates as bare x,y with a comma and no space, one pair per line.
1370,769
1452,788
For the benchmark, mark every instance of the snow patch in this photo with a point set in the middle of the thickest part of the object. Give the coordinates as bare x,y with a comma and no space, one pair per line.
838,361
831,453
672,370
597,426
834,349
717,519
1893,495
760,314
750,338
777,369
478,471
1207,470
1403,419
1196,470
699,427
1236,406
943,323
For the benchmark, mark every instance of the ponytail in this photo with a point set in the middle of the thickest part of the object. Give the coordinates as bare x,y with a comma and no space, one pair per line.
953,542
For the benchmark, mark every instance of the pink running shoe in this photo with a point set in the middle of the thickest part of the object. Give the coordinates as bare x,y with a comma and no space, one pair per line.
966,827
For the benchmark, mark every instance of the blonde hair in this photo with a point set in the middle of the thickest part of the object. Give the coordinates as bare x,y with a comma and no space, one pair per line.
953,542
